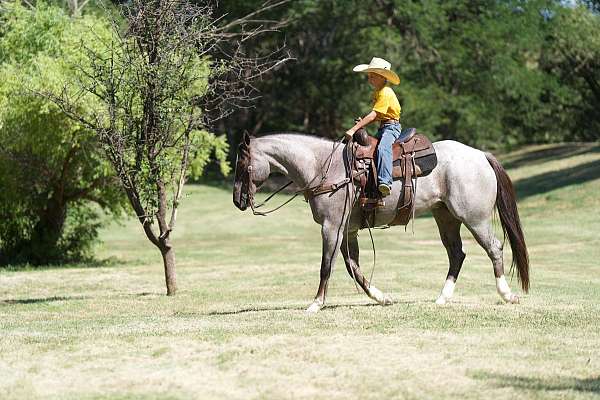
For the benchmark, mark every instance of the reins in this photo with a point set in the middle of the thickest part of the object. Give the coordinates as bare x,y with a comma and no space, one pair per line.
314,190
321,189
350,156
265,213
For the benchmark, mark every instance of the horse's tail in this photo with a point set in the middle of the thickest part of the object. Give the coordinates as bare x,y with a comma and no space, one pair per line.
506,202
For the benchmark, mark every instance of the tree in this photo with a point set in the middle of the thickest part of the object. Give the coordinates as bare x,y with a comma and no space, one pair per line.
486,73
315,93
573,55
54,181
159,85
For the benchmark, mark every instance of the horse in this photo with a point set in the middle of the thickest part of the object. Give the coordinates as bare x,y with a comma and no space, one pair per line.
465,187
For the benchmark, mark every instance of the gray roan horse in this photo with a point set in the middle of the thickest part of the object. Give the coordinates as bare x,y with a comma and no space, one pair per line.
464,188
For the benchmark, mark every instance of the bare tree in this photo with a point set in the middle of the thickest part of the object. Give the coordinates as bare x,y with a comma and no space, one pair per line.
76,6
159,85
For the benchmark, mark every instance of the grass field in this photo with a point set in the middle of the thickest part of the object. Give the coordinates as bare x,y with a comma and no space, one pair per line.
237,328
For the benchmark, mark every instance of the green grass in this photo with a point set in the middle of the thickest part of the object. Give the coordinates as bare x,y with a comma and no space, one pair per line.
237,328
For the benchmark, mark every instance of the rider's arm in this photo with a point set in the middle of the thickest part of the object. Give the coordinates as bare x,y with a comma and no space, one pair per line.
370,117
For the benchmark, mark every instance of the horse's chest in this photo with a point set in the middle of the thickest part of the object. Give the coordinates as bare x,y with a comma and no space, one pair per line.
328,206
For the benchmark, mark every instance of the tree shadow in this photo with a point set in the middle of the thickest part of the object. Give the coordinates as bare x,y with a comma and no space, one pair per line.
52,299
90,263
550,154
556,383
552,180
42,300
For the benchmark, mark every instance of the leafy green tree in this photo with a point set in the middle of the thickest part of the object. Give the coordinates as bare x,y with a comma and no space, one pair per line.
316,92
486,73
158,86
471,68
573,55
53,178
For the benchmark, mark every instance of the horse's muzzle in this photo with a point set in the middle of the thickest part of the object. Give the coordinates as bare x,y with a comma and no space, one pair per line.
240,200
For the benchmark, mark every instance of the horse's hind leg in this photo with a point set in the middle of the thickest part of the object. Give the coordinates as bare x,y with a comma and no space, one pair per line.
484,234
449,227
350,252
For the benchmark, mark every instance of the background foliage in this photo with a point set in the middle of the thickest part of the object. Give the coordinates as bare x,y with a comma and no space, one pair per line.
53,177
488,73
492,74
53,172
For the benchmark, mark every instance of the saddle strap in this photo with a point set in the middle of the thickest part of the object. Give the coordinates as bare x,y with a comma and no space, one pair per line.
406,203
322,189
369,198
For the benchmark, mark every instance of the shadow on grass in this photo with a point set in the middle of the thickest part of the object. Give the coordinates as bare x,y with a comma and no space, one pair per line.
281,308
548,181
70,298
90,263
292,308
557,383
550,154
42,300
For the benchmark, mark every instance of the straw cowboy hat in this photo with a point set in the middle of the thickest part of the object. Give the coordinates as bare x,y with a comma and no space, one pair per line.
380,67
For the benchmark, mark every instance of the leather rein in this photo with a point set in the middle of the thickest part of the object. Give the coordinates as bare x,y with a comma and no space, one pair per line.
308,190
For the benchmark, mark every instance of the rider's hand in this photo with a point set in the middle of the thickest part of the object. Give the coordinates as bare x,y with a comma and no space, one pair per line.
349,134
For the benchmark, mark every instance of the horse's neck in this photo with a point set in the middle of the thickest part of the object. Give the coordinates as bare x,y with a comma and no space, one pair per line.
301,158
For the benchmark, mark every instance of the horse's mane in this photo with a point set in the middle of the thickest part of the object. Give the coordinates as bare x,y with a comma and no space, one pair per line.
295,134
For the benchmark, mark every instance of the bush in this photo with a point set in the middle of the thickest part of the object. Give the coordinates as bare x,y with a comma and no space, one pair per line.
53,176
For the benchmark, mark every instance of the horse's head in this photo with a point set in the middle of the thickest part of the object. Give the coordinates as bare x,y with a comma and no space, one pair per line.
251,170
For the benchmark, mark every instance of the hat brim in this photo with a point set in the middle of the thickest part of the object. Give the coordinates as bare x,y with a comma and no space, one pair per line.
391,76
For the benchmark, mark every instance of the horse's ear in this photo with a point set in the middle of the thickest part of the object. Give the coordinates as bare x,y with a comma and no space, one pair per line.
246,138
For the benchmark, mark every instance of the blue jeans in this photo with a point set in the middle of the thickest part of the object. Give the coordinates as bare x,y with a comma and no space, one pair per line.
387,135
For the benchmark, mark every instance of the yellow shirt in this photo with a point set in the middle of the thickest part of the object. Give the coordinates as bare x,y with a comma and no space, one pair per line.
385,104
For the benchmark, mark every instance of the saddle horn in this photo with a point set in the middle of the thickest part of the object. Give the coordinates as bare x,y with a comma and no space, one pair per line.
361,137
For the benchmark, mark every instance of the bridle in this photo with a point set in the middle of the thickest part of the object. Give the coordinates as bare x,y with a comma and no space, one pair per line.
309,190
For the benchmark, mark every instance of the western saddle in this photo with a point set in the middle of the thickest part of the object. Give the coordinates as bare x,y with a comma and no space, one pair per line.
413,156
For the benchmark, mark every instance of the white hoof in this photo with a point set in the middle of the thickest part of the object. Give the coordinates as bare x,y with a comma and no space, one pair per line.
447,292
504,291
380,297
511,298
314,307
387,300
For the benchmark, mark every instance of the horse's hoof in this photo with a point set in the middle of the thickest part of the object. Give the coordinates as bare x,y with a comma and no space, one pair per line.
314,308
441,300
381,298
387,300
512,299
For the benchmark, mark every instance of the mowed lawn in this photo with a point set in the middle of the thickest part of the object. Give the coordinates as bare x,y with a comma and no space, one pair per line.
237,327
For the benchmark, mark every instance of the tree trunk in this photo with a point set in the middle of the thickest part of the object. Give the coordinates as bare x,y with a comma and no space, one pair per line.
168,255
46,233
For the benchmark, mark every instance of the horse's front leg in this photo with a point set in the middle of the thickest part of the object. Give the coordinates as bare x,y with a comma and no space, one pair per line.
350,252
332,234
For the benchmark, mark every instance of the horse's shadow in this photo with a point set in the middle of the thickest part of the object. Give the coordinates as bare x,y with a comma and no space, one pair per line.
301,308
294,307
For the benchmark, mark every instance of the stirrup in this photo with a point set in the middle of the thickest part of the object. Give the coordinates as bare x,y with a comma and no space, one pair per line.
384,189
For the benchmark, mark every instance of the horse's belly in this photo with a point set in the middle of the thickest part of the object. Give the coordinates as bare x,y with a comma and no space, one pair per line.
427,195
